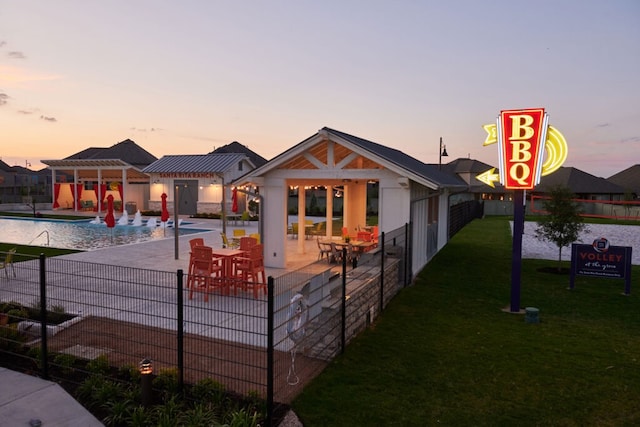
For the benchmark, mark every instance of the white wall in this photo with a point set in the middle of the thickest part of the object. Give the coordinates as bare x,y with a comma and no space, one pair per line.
274,210
393,204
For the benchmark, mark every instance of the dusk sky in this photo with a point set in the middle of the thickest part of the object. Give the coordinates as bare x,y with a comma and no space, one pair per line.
185,77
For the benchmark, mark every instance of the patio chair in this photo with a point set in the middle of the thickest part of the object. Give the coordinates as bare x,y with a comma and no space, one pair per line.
318,229
205,274
239,232
255,236
249,272
294,230
228,244
8,261
335,255
364,236
323,249
198,241
247,242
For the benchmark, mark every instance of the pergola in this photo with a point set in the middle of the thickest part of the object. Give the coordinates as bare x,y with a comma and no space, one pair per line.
101,171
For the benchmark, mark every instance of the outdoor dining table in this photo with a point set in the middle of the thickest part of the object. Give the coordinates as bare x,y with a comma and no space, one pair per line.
227,254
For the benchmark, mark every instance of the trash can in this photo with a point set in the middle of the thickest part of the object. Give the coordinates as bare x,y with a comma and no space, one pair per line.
131,208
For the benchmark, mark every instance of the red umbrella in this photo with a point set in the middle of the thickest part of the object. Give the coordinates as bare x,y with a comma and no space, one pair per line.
234,198
109,219
164,216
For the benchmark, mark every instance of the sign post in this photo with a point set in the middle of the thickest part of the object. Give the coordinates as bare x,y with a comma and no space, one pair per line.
523,137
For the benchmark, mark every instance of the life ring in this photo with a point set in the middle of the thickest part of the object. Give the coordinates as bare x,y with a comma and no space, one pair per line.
297,318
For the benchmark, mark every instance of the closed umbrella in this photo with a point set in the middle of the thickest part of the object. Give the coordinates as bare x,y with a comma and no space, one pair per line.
109,219
234,198
164,215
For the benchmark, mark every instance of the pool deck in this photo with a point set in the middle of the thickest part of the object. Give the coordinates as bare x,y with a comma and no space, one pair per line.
161,254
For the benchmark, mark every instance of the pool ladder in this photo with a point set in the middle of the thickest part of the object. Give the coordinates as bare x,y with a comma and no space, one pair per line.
46,232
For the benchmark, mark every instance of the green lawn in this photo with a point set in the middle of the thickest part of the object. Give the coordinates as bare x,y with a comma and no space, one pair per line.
444,352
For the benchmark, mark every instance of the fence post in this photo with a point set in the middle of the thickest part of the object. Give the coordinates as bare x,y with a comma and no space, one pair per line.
180,337
44,348
270,332
343,332
381,274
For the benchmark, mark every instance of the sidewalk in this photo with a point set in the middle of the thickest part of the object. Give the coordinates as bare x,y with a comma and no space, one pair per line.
25,400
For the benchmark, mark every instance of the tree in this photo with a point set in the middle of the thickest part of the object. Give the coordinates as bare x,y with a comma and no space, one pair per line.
563,223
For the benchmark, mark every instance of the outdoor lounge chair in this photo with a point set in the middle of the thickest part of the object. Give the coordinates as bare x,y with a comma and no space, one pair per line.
8,261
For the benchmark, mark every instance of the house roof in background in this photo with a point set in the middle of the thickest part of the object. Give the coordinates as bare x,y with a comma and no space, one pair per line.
127,151
629,179
4,167
196,163
579,182
236,148
462,165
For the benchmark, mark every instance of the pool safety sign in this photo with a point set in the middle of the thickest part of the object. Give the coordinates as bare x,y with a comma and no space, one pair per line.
600,259
528,148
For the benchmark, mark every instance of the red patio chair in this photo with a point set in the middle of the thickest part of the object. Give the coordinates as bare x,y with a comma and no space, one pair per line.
205,274
249,272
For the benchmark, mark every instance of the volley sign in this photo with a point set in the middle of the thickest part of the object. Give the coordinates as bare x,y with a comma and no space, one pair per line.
524,137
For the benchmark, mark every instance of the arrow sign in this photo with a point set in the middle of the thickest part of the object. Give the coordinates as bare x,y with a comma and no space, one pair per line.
489,177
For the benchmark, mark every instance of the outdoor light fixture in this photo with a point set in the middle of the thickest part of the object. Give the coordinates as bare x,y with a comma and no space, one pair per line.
145,367
146,370
442,151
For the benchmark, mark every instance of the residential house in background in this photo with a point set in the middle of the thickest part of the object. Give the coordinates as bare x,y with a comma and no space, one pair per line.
20,185
629,179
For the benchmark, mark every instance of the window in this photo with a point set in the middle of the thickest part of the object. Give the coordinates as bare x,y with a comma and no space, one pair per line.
240,166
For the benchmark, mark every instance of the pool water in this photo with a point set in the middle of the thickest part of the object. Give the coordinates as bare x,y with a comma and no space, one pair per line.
82,234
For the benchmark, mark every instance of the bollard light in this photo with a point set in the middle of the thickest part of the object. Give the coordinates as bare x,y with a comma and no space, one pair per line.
146,367
146,370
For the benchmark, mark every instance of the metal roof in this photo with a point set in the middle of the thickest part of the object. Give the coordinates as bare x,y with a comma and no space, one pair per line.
192,163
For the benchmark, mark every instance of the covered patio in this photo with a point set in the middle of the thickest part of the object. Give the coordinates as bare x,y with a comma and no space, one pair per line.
341,167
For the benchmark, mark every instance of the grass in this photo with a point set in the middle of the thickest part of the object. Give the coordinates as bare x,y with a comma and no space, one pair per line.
42,216
443,352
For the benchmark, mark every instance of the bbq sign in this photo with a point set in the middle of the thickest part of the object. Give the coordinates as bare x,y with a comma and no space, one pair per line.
528,148
600,259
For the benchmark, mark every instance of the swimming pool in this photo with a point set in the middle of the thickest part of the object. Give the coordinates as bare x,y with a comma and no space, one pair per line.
80,234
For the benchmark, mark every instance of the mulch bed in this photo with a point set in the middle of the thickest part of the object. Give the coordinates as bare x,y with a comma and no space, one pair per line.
241,368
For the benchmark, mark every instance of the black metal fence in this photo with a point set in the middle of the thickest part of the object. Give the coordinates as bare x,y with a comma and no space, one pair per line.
463,213
272,345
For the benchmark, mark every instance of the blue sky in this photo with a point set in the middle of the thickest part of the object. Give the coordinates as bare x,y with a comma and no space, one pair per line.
186,77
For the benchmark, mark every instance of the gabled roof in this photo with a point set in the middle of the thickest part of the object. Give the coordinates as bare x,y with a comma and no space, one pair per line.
237,148
629,179
390,158
196,163
461,165
578,182
4,167
397,157
127,151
